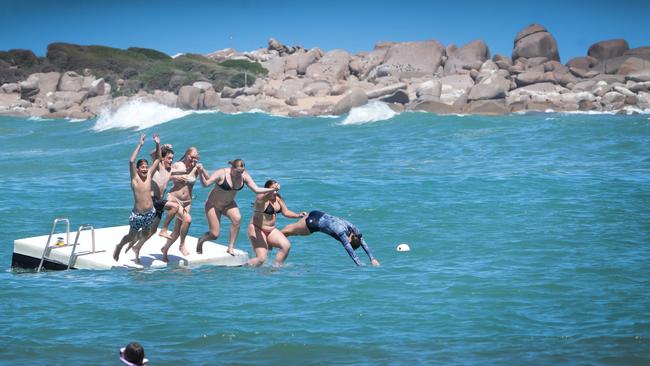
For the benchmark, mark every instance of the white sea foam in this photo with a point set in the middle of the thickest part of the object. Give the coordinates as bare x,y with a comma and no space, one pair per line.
39,119
371,112
139,114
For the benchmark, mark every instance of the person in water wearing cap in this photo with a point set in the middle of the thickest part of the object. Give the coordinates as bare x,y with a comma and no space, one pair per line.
336,227
133,355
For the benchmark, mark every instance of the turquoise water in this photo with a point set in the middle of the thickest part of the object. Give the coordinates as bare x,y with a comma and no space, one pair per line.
529,234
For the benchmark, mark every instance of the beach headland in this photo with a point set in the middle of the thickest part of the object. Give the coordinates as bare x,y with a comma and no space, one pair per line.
80,82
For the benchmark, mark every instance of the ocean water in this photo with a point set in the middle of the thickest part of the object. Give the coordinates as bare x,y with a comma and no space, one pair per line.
529,241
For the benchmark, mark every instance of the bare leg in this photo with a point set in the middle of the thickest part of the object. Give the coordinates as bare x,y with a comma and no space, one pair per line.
297,228
144,235
235,223
277,240
258,241
173,208
127,238
168,244
214,225
185,227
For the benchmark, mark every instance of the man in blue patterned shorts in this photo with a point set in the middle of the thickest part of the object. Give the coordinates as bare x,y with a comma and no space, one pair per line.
336,227
143,211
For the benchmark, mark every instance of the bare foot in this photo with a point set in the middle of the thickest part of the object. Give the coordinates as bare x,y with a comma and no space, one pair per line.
183,250
116,252
164,253
231,251
164,234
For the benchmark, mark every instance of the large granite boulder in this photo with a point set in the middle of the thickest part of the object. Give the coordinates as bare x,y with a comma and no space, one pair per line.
584,63
494,86
604,50
299,61
436,107
188,97
354,97
366,64
429,90
633,64
333,66
486,107
535,41
71,81
411,59
47,82
461,60
454,87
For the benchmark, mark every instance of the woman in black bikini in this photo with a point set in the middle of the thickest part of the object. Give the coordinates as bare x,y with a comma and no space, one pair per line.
228,181
262,231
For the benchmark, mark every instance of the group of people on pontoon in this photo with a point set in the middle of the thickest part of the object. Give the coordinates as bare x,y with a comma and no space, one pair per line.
149,185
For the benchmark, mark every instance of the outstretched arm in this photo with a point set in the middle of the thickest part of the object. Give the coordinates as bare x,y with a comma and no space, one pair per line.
366,248
158,153
343,238
253,187
135,156
207,180
288,213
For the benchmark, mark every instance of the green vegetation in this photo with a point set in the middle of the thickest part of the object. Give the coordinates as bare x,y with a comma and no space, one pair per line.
245,66
139,67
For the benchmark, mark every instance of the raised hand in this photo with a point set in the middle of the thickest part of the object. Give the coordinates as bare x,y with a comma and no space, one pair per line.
142,136
156,138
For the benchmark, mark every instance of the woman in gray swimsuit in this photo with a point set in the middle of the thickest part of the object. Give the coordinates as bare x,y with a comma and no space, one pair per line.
336,227
221,200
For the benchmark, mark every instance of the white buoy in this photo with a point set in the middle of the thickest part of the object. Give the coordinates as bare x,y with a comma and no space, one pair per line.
403,247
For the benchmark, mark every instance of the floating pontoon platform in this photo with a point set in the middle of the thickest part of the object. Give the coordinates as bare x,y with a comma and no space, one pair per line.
93,249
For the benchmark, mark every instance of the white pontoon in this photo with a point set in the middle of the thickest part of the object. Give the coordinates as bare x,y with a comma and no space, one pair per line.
93,249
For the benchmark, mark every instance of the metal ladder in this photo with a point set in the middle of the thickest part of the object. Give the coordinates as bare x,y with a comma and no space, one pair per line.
73,256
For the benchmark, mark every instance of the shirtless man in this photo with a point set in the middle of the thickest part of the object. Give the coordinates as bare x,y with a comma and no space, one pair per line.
183,176
159,181
143,211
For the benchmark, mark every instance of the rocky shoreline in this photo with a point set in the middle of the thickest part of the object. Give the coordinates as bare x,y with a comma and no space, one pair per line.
419,76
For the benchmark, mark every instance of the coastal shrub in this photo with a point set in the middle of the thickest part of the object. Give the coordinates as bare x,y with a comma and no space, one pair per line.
151,54
24,58
100,59
241,80
130,73
245,65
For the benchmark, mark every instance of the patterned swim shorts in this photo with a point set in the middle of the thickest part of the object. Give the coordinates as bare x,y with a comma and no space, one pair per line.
142,220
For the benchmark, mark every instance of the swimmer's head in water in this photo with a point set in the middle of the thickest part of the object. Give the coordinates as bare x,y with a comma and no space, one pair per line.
237,165
143,167
355,241
132,353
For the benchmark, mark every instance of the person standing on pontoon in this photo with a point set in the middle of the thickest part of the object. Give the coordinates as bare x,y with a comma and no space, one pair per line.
183,175
143,211
221,201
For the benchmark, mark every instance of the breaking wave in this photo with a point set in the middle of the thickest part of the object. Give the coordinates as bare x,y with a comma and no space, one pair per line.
140,115
371,112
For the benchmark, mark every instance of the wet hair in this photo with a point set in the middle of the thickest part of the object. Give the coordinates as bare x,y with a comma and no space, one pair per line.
237,163
164,151
269,183
134,353
140,162
188,151
355,241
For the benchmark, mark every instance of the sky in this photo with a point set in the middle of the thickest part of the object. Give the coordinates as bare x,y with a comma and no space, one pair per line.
174,26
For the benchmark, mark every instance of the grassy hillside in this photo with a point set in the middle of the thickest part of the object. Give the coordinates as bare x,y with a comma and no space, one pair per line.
139,67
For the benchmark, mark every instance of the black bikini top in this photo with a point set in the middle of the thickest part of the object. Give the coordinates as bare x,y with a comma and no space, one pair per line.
226,187
270,210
